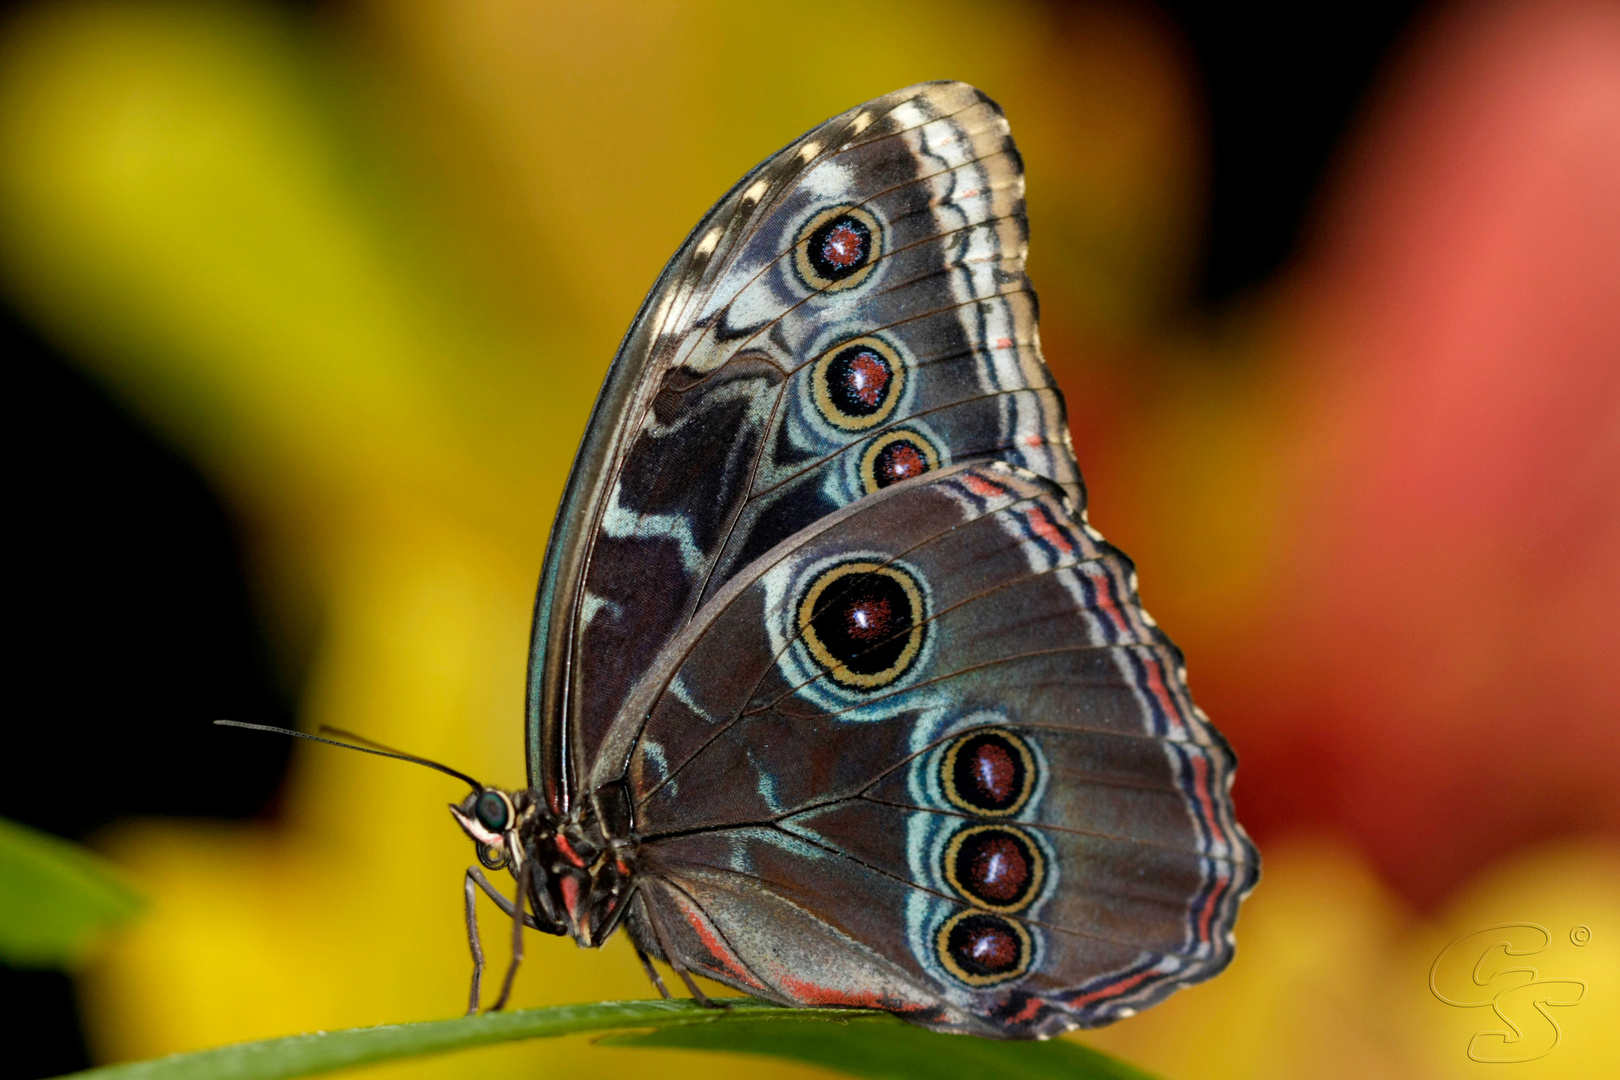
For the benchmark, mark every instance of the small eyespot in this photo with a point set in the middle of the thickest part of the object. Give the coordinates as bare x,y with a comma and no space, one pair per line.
837,248
863,622
989,772
493,811
995,867
982,949
857,385
895,456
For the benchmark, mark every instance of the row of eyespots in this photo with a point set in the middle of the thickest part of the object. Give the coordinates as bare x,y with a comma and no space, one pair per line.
863,622
857,384
997,867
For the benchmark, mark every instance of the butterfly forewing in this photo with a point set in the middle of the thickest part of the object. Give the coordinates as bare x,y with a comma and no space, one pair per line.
853,313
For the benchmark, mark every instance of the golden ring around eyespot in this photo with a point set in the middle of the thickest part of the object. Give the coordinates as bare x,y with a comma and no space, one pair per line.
821,385
1021,751
870,481
801,249
980,979
1037,867
839,669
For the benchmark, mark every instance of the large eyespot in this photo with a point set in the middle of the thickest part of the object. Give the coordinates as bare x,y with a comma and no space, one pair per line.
982,949
493,810
863,623
994,866
895,456
837,248
856,385
989,773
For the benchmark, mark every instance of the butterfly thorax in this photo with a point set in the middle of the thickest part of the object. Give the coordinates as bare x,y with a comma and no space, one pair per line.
576,876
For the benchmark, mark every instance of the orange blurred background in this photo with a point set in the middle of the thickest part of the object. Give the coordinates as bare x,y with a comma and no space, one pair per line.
1348,392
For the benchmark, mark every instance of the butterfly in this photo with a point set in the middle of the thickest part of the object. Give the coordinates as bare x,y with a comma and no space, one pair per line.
835,696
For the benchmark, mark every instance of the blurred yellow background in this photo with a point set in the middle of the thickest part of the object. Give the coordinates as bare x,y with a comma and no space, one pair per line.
367,267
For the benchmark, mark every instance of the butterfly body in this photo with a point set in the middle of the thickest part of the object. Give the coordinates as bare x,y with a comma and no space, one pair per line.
835,696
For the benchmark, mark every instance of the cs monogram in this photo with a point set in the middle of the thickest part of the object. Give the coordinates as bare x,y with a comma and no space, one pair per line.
1490,969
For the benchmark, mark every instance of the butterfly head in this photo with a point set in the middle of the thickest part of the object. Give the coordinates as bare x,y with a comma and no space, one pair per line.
577,878
493,819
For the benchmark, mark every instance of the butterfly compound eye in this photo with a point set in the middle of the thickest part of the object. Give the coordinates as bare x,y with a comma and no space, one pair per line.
493,811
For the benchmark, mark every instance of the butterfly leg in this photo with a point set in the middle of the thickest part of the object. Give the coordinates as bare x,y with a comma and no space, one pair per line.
652,972
502,902
472,938
518,920
674,960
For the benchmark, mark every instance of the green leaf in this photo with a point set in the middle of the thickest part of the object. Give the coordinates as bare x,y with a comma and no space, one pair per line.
884,1048
860,1043
56,899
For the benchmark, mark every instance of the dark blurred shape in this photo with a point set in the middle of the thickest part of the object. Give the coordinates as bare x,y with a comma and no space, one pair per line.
132,630
41,1028
1282,83
136,626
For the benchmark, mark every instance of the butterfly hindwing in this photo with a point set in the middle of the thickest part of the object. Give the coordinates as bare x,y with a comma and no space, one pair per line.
939,726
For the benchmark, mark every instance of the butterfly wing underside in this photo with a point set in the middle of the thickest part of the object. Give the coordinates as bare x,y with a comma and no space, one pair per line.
823,622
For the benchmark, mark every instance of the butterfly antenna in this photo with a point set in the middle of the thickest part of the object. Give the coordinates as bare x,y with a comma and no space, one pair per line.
372,748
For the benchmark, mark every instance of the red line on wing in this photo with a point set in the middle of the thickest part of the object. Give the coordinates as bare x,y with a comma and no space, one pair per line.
1207,810
981,487
1113,989
715,944
1222,881
1031,1007
1206,803
809,993
1105,598
1162,692
1042,526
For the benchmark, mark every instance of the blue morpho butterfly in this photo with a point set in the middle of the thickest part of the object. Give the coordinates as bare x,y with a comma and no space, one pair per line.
834,694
